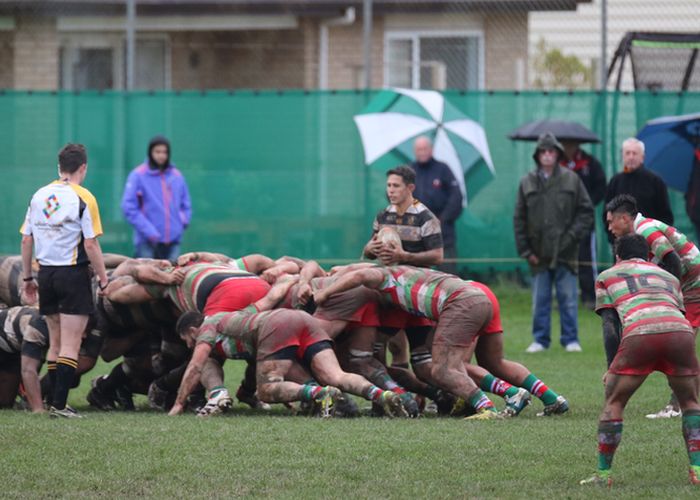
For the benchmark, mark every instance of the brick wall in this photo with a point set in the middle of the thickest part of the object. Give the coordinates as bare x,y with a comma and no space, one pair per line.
7,52
35,62
506,38
345,55
241,59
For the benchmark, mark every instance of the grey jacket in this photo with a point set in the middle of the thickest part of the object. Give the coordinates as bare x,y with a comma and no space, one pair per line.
551,217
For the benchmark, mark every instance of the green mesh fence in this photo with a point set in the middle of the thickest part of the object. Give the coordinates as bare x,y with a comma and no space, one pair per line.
282,172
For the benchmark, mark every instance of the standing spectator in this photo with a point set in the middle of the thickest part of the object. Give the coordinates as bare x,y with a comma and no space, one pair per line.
437,189
156,202
589,170
62,224
644,185
552,214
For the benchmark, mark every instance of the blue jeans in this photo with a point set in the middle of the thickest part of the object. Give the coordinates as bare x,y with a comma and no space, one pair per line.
566,286
169,251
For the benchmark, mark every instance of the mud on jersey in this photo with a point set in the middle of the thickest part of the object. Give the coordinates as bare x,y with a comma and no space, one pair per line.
647,298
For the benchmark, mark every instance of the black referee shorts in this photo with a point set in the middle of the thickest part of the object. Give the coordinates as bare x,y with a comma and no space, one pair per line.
65,290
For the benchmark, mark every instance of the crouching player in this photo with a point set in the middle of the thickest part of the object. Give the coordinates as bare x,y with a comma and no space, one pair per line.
280,341
655,337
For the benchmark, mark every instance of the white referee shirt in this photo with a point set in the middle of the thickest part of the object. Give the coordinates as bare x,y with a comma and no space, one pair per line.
60,216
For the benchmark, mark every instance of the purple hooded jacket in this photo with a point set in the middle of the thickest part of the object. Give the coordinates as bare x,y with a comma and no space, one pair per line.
156,201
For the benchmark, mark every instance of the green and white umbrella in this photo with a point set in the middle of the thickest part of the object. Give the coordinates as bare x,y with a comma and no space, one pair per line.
396,117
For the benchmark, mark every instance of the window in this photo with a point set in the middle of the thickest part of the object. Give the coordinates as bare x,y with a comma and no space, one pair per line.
92,63
433,60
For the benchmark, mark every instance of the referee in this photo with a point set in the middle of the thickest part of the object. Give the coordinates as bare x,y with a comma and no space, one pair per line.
62,226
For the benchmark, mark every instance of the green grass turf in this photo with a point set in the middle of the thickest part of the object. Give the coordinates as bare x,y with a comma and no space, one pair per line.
251,454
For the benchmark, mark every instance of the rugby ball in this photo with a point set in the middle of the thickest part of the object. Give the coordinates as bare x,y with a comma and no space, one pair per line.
389,235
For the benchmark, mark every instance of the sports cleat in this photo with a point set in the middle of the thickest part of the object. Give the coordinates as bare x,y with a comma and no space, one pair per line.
157,397
598,480
249,398
694,475
219,401
410,405
559,407
98,398
392,404
444,402
325,401
516,403
485,414
462,409
124,398
66,412
346,407
668,411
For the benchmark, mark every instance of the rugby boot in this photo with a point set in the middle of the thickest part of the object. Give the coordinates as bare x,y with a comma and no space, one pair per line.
346,407
66,412
124,398
410,405
599,479
462,409
516,403
157,397
392,404
559,407
325,401
668,411
445,402
219,402
485,414
98,398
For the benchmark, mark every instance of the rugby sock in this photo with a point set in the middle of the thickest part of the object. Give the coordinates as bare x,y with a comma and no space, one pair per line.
374,393
480,401
47,383
691,433
309,392
537,388
65,371
497,386
386,381
609,436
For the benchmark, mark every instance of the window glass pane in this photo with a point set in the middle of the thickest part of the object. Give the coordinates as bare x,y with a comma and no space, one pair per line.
399,69
149,65
92,69
449,62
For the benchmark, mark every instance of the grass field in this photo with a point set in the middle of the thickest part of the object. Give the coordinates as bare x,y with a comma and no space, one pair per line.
262,455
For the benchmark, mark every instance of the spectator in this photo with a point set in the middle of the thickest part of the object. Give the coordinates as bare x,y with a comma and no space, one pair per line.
437,189
644,185
589,170
156,202
552,214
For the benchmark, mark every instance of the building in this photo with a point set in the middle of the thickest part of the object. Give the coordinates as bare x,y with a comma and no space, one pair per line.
228,44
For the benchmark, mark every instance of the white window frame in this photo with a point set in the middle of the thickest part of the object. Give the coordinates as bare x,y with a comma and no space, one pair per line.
116,42
415,36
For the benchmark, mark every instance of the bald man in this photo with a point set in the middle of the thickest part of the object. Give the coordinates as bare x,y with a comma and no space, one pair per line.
437,189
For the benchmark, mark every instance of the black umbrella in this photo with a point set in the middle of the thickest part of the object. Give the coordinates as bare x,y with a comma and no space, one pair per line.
563,130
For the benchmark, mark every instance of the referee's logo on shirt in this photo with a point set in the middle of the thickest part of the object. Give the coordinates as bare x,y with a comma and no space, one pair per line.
52,206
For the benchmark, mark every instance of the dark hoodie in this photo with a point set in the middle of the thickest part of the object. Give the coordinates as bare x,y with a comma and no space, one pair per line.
551,214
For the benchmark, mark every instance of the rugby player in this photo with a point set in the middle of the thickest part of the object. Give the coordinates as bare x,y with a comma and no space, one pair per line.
279,340
655,336
672,250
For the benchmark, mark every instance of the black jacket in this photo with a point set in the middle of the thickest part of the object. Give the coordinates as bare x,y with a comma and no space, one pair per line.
591,173
649,191
437,189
